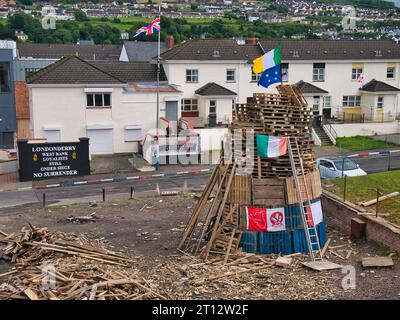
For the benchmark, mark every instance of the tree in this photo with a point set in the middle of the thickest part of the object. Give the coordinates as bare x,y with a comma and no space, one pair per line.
80,15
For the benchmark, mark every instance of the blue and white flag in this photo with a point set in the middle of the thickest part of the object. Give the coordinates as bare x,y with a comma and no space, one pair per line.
270,76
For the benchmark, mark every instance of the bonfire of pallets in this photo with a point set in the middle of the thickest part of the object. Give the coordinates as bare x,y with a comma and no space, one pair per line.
244,179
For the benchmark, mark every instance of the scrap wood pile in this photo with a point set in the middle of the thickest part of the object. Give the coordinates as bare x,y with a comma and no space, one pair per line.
81,267
244,276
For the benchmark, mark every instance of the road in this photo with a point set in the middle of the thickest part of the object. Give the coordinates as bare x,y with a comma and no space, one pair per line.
94,192
148,186
378,163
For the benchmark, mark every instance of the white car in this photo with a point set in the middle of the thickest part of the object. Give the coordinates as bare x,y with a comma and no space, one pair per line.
331,168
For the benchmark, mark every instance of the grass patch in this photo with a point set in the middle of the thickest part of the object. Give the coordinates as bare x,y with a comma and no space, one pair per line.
360,189
357,143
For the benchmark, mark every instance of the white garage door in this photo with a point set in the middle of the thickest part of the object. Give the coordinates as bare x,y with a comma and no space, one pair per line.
101,141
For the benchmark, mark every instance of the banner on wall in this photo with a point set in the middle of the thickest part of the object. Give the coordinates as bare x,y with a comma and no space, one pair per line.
263,219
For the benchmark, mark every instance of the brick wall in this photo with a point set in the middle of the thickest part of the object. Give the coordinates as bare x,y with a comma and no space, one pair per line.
9,178
339,215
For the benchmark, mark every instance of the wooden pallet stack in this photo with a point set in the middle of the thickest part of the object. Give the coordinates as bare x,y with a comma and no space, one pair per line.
216,225
283,114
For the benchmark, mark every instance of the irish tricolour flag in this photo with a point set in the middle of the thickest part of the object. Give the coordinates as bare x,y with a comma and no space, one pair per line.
269,60
271,146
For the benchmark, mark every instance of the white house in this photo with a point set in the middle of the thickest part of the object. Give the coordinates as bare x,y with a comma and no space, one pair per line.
113,103
335,72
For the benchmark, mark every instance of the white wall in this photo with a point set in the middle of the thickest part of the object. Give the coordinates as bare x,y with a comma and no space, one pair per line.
66,108
366,129
211,138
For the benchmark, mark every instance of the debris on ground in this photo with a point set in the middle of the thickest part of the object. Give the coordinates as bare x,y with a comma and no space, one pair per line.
83,219
81,268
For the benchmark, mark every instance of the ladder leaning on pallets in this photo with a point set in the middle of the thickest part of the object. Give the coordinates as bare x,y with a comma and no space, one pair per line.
304,200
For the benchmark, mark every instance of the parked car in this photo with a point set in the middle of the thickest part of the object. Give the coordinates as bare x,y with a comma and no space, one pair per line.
331,168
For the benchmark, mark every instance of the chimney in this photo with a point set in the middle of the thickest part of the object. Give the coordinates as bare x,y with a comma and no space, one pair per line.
170,41
252,41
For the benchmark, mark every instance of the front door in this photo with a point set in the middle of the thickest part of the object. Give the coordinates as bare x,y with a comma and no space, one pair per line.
172,110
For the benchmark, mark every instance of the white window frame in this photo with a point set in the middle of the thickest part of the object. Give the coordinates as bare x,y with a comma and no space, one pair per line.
229,73
191,104
214,102
327,102
316,103
318,74
94,94
392,72
192,75
380,102
351,101
356,73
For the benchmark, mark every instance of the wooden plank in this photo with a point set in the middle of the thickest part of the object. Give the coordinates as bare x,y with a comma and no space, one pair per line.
370,262
322,265
382,198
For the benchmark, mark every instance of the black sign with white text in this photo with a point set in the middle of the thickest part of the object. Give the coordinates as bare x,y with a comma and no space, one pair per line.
38,161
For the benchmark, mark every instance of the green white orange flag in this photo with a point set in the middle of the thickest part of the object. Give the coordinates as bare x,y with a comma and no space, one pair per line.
271,146
269,60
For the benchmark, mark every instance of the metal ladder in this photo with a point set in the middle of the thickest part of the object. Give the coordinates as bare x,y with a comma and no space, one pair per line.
304,201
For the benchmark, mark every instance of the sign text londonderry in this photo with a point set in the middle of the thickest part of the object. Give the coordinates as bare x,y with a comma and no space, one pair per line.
56,161
47,160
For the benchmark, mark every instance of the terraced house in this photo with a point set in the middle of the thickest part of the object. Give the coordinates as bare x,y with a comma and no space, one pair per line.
352,85
349,80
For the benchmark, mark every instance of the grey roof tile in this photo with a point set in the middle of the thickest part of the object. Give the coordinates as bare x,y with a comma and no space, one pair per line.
378,86
213,89
58,51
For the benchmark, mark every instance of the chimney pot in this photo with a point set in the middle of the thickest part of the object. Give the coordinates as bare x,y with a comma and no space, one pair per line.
170,41
252,41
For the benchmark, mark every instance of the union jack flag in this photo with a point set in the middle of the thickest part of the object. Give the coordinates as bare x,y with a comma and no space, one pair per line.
149,29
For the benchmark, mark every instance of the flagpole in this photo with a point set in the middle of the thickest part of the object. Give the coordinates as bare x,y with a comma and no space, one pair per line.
158,92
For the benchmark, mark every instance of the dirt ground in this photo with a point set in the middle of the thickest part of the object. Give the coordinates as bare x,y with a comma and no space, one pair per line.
150,228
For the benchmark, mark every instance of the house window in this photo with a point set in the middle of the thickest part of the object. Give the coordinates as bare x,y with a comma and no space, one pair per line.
189,105
379,103
192,75
230,75
98,100
327,103
351,101
285,72
213,106
30,71
356,73
319,72
255,77
4,77
316,102
390,72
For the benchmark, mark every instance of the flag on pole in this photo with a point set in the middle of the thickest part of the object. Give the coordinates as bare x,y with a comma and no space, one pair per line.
270,59
149,29
270,76
271,146
361,79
